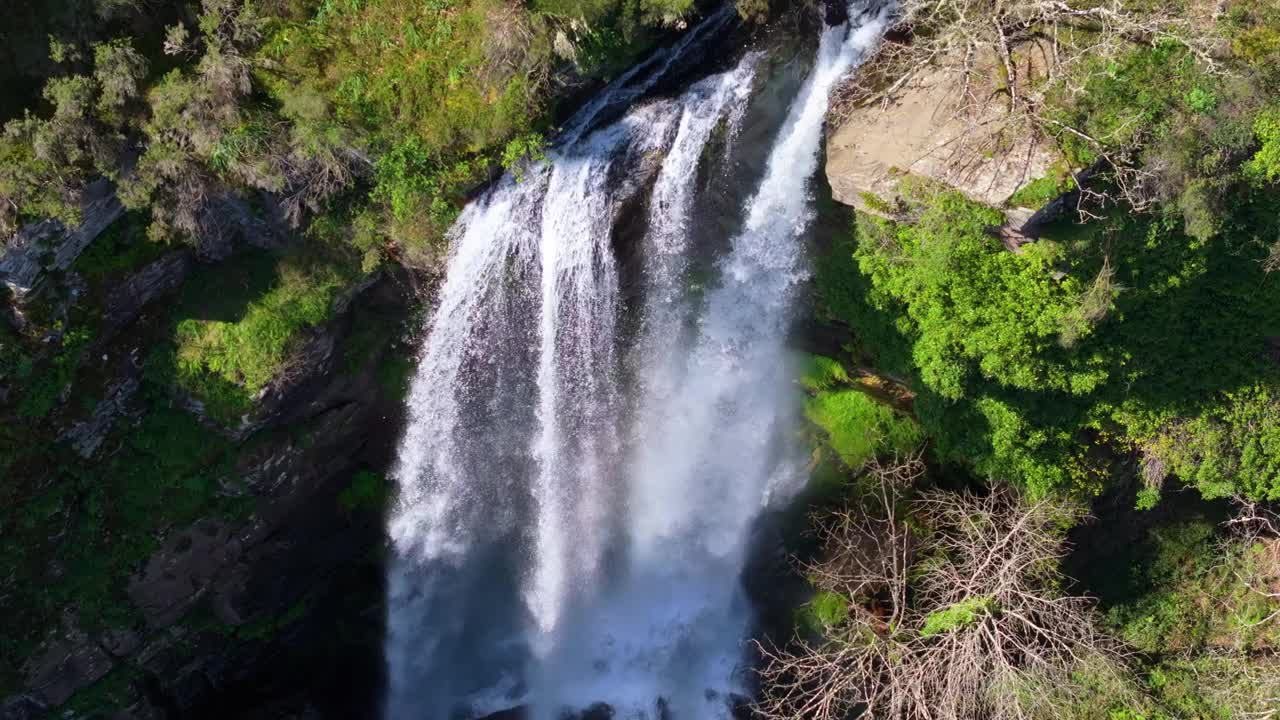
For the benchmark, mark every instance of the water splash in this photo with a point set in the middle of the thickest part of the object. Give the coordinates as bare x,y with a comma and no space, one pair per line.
561,540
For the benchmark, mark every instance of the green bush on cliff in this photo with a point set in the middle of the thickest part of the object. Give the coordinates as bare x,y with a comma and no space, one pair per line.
1137,332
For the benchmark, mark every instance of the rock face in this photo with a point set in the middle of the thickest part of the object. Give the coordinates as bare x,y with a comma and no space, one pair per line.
48,246
85,437
126,301
938,128
275,613
71,660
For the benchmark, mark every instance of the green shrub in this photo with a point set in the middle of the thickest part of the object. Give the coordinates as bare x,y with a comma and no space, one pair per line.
1266,163
825,611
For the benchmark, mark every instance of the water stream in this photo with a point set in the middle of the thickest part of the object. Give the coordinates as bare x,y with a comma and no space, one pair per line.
583,463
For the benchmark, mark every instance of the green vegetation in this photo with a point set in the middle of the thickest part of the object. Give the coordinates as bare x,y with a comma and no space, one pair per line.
856,426
956,616
162,472
825,611
366,493
859,427
120,249
1124,351
230,342
1041,191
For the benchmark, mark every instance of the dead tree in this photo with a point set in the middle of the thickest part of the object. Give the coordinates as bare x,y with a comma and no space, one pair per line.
955,612
1019,49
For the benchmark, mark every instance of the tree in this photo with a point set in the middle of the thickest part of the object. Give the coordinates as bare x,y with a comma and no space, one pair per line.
955,610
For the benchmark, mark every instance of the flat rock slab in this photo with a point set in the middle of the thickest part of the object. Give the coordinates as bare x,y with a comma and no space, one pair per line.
933,128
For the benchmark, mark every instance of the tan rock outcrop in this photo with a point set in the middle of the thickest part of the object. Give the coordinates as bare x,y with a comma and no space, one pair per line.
937,126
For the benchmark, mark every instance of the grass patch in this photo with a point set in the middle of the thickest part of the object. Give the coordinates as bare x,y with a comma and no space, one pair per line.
236,326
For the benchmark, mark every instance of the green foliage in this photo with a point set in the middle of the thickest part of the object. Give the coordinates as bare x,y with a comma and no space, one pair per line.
30,186
1265,164
1041,191
1204,634
822,373
160,472
119,70
970,306
1127,100
1188,594
122,248
961,614
877,204
40,394
1201,100
366,493
843,297
825,611
859,428
1137,331
1232,448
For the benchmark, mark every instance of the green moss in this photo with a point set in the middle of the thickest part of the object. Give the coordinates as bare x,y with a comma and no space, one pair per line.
822,373
959,615
1041,191
366,493
859,428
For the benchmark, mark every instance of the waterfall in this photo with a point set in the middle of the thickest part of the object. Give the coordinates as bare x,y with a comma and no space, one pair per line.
563,537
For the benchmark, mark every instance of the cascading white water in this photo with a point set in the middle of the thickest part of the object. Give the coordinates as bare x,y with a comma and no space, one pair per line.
561,540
